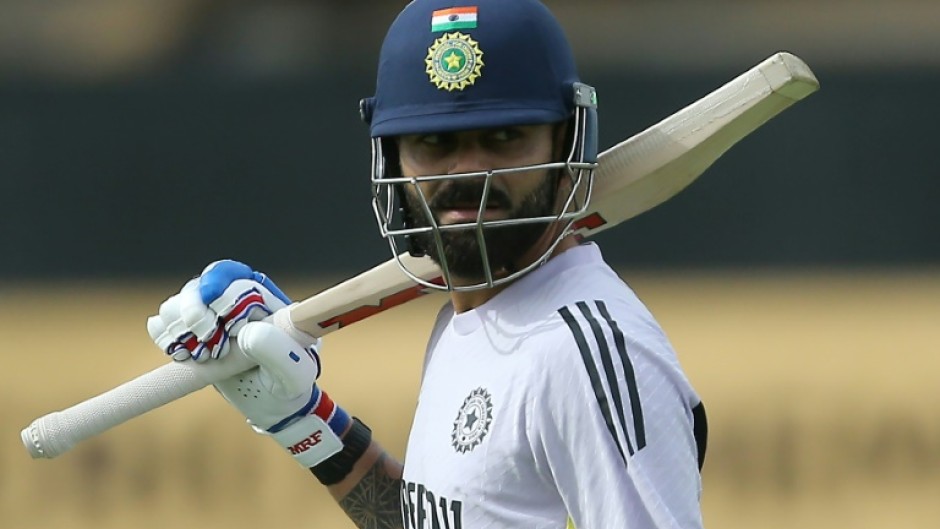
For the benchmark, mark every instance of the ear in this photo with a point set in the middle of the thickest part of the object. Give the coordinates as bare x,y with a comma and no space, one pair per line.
391,148
561,147
561,140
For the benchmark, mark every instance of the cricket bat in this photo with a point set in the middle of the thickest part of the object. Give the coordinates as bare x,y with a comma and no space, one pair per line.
632,177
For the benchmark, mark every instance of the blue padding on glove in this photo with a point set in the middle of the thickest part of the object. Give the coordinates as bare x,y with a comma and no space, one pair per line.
214,282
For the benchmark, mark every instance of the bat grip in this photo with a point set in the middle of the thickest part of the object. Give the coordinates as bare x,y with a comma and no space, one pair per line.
55,433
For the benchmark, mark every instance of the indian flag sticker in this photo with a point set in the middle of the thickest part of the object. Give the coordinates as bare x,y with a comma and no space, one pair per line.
454,18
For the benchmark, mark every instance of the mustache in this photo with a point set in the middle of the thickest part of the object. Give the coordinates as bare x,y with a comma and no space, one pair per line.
459,194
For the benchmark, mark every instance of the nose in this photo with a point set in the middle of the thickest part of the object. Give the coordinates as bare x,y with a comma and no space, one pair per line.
469,157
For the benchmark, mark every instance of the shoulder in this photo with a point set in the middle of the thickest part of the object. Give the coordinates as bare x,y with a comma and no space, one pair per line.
619,347
592,309
608,368
613,350
598,327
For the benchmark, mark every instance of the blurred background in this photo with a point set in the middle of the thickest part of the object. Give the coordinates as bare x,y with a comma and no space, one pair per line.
799,278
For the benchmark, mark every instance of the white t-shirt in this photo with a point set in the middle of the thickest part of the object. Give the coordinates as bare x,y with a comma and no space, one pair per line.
559,398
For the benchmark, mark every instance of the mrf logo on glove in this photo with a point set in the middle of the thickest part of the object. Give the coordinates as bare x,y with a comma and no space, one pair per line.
306,444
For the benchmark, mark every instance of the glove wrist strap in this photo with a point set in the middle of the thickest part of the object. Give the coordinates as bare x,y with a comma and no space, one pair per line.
309,440
315,436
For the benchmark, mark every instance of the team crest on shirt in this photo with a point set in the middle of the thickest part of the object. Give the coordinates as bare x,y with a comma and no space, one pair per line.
473,421
454,61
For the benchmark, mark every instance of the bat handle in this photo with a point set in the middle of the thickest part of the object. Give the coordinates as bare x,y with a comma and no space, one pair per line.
55,433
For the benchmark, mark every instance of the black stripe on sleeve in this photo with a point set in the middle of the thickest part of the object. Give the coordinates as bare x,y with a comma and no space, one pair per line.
700,431
599,393
638,427
608,363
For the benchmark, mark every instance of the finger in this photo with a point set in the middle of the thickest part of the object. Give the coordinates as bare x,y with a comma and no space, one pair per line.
199,318
244,299
180,353
156,328
288,368
176,331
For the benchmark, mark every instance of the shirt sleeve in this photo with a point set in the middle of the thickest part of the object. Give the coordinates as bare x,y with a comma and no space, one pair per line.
612,424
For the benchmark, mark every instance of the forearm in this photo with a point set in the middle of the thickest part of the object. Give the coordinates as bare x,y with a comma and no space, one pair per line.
370,495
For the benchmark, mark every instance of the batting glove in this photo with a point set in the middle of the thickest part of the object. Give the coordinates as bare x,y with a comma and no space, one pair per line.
220,313
214,306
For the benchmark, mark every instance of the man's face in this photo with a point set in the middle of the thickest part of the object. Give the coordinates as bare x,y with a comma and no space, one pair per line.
515,195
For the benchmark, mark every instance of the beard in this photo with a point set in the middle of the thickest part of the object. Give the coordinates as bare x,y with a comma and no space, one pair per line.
505,245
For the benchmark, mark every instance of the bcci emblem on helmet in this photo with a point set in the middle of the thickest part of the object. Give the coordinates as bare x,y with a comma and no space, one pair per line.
454,61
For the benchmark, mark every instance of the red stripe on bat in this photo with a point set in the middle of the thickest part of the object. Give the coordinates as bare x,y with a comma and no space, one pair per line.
392,300
590,222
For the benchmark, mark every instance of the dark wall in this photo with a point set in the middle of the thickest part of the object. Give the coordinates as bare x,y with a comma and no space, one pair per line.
164,175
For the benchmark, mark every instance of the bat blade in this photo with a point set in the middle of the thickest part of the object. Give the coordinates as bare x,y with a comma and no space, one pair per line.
632,177
651,167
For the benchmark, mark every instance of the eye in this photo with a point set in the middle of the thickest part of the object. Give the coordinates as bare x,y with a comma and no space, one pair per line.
429,139
437,142
504,134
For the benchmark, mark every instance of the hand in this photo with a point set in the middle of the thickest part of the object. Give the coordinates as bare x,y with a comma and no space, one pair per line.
212,307
219,313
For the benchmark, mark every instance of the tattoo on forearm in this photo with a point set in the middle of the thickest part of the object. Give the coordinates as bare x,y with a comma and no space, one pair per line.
375,502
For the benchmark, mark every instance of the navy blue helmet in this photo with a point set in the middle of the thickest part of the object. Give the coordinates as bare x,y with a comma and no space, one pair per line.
516,68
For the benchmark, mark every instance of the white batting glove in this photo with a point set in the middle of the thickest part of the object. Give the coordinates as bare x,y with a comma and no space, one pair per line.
212,307
218,313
